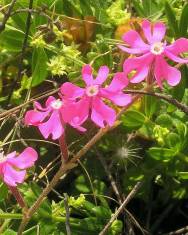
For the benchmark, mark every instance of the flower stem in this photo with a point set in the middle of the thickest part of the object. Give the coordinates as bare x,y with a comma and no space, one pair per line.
18,197
64,148
10,216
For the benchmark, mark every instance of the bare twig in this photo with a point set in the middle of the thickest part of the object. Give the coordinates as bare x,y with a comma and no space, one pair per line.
32,11
179,231
110,178
126,201
167,98
67,222
24,45
7,15
17,108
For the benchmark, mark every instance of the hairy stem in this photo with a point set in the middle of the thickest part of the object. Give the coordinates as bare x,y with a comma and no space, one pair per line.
63,148
18,197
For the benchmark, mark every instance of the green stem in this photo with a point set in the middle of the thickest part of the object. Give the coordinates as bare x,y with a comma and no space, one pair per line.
10,216
183,157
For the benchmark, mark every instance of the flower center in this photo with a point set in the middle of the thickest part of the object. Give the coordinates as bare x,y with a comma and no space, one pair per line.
2,156
157,48
92,90
56,104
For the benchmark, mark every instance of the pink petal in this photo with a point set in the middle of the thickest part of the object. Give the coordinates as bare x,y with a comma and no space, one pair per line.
133,39
102,114
133,50
53,126
11,176
34,117
175,58
162,71
38,106
146,27
159,30
179,46
71,91
102,75
139,64
119,98
11,155
118,82
67,112
49,101
87,74
25,160
81,112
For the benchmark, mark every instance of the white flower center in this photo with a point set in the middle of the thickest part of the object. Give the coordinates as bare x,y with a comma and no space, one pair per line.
56,104
2,156
157,48
92,90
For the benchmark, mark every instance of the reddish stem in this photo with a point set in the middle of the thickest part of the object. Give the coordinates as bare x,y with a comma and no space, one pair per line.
18,197
63,148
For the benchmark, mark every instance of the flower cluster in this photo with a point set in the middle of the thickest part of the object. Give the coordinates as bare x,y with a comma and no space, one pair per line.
75,104
97,99
12,166
153,50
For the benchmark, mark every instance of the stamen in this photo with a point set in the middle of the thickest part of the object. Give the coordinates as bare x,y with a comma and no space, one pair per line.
92,90
157,48
56,104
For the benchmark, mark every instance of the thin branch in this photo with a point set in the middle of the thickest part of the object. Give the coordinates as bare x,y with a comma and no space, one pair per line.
178,232
67,222
110,177
126,201
167,98
24,46
33,11
7,16
16,109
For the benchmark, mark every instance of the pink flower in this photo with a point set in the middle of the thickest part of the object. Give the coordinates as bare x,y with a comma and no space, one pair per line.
90,98
153,54
12,166
52,118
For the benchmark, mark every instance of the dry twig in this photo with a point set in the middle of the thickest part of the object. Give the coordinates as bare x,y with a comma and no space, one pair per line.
126,201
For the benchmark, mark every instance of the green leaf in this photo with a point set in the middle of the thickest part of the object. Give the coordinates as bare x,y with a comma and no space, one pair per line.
164,120
9,232
183,175
173,141
139,9
39,67
150,105
171,19
101,212
12,39
179,90
182,130
3,191
86,8
161,154
183,23
133,118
